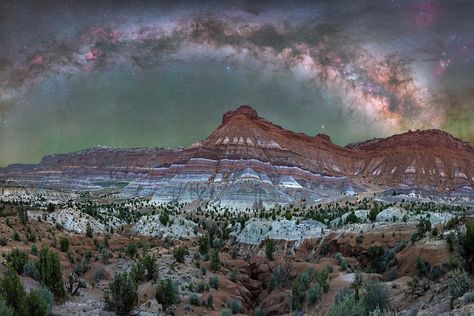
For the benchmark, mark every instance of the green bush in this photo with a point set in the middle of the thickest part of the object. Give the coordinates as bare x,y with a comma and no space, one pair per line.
64,244
180,252
278,279
379,312
47,296
469,238
105,255
423,266
149,262
203,242
5,310
233,276
214,282
36,304
34,250
269,248
99,274
17,259
297,296
30,270
165,294
323,279
131,250
314,294
346,304
12,291
215,262
121,294
375,295
226,312
50,274
138,272
235,306
459,283
164,218
194,299
89,231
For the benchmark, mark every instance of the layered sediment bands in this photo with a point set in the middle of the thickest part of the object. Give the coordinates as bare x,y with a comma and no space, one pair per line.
250,162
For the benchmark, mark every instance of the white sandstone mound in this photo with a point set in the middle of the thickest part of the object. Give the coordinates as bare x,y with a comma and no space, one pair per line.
178,228
256,230
73,220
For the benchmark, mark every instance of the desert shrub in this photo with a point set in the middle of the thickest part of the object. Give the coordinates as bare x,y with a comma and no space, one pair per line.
16,236
269,248
278,279
469,238
214,282
99,274
105,255
36,304
47,296
64,244
234,252
436,272
30,270
373,214
341,261
215,262
203,242
314,294
12,291
375,295
379,312
258,311
17,259
149,262
469,298
89,231
235,306
50,274
297,295
459,283
323,279
121,294
346,304
165,294
351,218
34,249
5,310
50,208
138,272
164,218
452,241
22,215
194,299
180,252
210,301
452,223
82,266
131,250
233,276
226,312
423,266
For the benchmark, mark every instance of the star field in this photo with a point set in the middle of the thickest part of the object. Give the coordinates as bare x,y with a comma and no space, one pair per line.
78,74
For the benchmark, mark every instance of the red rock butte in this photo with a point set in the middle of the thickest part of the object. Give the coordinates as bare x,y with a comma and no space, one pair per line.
248,159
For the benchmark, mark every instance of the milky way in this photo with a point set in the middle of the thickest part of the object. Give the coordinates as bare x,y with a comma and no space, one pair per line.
80,75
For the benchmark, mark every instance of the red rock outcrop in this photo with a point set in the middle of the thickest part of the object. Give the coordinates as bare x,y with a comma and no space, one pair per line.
250,161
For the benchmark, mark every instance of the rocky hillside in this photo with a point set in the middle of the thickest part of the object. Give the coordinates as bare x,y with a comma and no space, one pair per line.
249,162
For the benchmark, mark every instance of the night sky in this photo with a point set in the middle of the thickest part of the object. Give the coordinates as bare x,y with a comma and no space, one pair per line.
77,74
